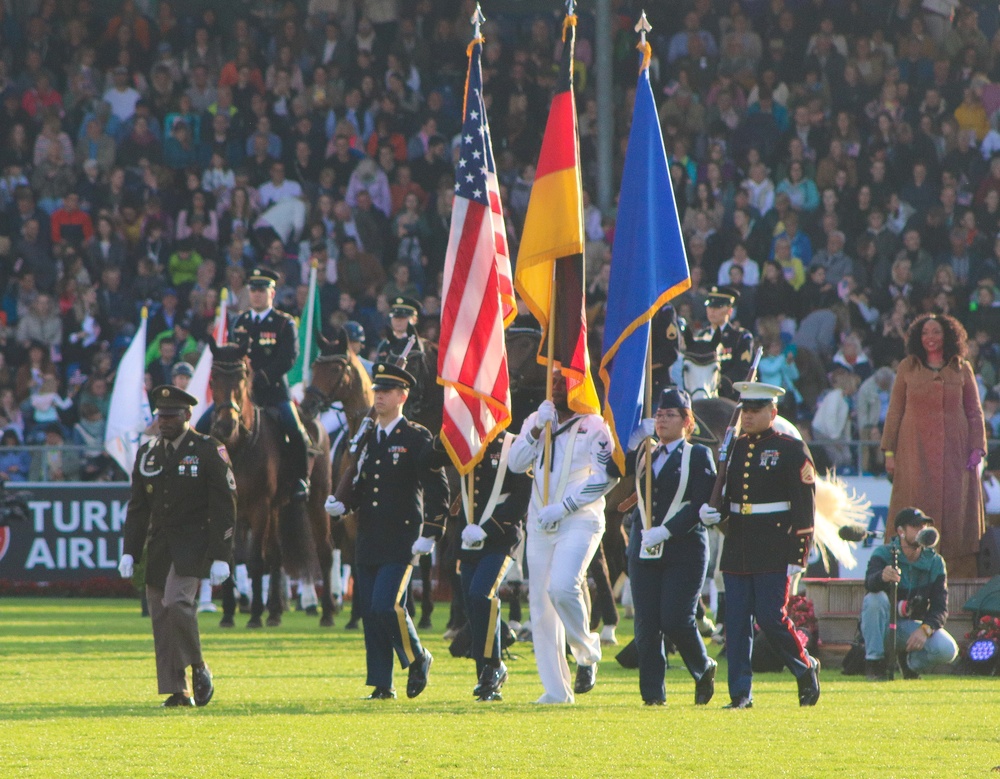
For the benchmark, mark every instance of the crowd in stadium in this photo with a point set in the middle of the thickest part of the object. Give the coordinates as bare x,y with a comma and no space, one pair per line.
837,162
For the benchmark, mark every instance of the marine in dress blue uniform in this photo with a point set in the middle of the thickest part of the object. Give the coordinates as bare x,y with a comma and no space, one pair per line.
735,343
270,340
401,499
500,499
769,501
666,585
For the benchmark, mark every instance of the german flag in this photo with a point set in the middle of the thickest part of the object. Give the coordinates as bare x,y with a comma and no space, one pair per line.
552,243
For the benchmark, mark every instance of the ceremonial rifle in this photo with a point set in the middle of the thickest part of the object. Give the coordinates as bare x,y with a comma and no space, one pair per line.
732,433
345,488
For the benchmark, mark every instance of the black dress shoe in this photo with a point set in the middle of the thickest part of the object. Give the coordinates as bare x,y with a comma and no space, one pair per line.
809,685
586,678
351,625
657,702
425,623
739,703
704,688
490,696
904,666
381,694
417,680
491,679
201,680
177,699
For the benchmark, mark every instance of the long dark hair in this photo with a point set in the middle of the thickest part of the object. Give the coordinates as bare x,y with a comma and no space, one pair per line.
955,337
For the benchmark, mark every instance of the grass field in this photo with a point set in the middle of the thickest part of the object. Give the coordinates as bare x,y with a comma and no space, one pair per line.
78,699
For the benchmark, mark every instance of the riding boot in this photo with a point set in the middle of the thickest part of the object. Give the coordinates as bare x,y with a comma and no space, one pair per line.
298,450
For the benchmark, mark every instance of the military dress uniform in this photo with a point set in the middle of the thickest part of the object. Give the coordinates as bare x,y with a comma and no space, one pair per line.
769,501
735,343
418,362
183,510
399,495
500,503
558,559
666,589
272,344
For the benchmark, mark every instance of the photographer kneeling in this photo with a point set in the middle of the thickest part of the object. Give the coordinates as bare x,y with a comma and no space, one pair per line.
921,638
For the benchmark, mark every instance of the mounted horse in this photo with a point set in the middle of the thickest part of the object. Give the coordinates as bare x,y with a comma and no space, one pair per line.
337,376
267,535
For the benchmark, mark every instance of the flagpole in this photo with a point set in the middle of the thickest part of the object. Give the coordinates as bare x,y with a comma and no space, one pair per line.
550,356
310,316
223,315
642,27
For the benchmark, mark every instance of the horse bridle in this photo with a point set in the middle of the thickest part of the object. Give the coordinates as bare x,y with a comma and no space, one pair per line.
322,399
232,369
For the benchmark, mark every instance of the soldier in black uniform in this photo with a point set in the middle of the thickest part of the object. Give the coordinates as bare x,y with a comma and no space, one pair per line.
500,504
183,505
667,562
736,352
403,324
270,339
769,501
666,330
396,479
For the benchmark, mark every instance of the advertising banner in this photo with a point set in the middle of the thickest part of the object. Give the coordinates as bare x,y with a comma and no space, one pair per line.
73,532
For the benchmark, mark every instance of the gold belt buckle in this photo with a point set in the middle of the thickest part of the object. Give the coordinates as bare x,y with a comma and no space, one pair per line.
746,508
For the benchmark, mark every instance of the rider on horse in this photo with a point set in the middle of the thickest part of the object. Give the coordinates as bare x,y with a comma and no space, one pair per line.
271,342
736,352
403,324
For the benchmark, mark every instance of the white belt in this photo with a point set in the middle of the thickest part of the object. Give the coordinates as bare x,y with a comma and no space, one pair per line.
759,508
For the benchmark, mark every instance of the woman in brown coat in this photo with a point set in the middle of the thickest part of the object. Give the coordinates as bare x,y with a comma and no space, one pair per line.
934,438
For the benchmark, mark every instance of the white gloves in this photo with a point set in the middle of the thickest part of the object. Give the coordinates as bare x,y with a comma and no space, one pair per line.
654,536
334,507
549,516
126,566
709,516
794,569
646,429
422,545
547,413
219,572
472,535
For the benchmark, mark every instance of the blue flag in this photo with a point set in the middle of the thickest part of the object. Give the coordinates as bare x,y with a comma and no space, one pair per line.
648,267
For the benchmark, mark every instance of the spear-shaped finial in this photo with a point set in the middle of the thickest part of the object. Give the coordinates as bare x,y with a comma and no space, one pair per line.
570,7
642,27
477,20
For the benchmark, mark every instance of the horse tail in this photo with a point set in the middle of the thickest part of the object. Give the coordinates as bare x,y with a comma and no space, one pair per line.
298,549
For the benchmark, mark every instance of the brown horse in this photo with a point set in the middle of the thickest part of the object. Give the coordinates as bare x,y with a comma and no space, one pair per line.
265,534
335,377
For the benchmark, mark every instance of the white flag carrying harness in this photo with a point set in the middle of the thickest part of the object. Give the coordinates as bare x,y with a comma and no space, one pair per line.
675,505
496,498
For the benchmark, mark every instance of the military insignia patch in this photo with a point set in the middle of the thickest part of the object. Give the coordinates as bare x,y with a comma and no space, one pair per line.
230,479
808,473
672,332
224,454
745,356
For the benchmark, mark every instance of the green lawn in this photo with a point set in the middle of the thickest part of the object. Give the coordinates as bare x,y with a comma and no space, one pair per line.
78,699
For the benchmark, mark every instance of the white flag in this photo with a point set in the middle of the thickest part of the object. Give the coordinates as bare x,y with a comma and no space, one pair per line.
130,414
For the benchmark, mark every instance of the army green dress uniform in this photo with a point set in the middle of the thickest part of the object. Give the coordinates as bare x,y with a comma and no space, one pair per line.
182,510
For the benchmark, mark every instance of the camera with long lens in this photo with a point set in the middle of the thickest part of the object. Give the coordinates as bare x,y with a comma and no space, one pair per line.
913,608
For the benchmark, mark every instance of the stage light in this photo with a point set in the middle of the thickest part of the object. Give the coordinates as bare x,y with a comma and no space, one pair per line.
983,655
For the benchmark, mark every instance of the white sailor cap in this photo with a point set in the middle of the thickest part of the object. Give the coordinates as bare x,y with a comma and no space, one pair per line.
755,390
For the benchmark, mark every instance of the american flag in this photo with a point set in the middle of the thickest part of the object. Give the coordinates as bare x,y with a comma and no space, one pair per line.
472,359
